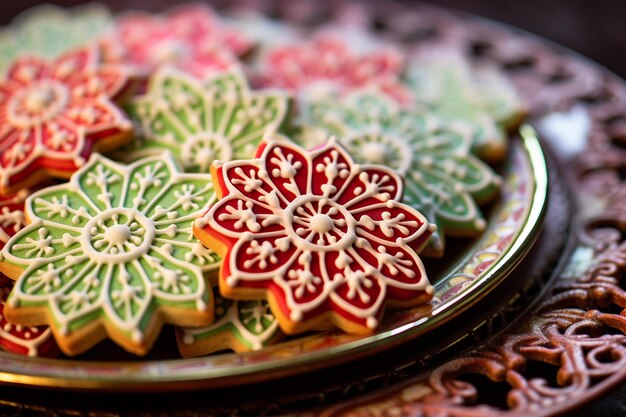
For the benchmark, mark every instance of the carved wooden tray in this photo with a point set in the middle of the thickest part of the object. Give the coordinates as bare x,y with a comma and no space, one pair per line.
563,342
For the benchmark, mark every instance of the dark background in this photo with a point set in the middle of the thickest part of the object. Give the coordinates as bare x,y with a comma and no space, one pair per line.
594,28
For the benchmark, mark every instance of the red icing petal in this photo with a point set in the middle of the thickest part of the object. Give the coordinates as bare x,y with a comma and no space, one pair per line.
94,116
288,169
260,257
60,137
72,63
247,179
398,266
17,148
302,290
387,222
238,216
372,186
331,168
106,81
27,69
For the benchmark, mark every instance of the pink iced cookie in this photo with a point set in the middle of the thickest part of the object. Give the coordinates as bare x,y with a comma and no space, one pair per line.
190,38
327,65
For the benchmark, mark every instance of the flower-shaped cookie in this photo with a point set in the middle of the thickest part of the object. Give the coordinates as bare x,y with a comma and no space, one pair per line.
24,340
111,253
327,67
239,325
479,100
53,115
190,38
50,31
201,122
443,179
324,240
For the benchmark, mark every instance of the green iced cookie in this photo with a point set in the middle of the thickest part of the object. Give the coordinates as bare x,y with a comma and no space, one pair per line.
239,325
480,100
49,31
220,119
112,254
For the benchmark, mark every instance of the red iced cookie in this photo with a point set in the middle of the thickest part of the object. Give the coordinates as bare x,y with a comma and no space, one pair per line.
326,241
54,114
190,38
327,65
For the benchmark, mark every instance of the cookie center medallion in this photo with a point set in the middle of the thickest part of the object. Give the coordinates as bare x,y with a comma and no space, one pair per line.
383,149
118,235
38,103
169,52
377,153
320,224
200,151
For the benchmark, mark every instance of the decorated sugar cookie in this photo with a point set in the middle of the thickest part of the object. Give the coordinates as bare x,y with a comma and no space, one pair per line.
324,240
190,38
55,114
24,340
111,253
201,122
326,67
479,100
239,325
442,178
49,31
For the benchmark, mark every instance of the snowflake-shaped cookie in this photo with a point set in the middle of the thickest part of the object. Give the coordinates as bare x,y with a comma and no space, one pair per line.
111,253
443,179
239,325
327,67
50,31
201,122
324,240
54,114
479,100
190,38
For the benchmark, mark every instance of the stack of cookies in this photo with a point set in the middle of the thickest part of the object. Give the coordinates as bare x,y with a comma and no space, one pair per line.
238,178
